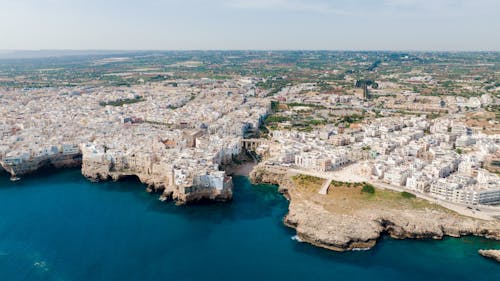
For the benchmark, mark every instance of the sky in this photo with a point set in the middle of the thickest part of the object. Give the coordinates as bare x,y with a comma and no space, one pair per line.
447,25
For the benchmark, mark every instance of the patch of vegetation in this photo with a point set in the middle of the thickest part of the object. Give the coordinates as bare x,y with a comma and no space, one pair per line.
121,102
274,85
346,184
156,78
355,118
263,131
368,188
306,179
315,122
275,106
433,116
374,65
408,195
297,104
277,119
235,160
362,83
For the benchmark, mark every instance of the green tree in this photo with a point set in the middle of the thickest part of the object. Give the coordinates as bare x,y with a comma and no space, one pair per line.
368,188
408,195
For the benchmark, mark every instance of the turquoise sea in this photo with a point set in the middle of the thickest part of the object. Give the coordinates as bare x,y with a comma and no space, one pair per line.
59,226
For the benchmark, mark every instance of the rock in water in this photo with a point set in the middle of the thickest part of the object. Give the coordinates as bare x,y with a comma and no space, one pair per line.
491,254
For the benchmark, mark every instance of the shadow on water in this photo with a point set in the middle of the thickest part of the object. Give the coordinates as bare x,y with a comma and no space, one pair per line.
204,222
45,174
247,198
249,202
130,183
3,173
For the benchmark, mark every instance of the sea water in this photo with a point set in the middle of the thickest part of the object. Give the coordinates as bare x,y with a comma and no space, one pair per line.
59,226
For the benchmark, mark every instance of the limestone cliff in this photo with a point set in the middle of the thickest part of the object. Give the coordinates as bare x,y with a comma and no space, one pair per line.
271,175
158,178
362,229
58,160
350,225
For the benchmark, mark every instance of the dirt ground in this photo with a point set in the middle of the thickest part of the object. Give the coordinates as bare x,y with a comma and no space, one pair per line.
347,198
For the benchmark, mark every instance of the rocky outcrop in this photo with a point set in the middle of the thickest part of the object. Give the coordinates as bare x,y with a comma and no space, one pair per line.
262,174
363,226
57,160
197,194
362,229
491,254
157,179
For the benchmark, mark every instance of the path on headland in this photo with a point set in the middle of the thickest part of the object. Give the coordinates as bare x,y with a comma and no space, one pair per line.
351,174
324,188
328,176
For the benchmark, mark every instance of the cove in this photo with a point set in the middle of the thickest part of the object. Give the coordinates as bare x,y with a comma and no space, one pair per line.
60,226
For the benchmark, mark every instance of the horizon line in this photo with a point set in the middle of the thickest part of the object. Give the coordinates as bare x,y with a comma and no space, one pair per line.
256,50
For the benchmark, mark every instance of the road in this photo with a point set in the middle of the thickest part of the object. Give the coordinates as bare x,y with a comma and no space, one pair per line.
352,173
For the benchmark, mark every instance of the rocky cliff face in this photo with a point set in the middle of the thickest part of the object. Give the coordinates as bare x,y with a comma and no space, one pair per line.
157,178
55,161
362,227
275,176
103,169
204,194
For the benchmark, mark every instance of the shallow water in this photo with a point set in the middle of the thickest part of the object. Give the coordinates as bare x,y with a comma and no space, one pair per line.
59,226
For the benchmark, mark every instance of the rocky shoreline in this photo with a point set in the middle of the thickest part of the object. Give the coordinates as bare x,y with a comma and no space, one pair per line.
363,227
105,170
314,224
491,254
56,161
157,179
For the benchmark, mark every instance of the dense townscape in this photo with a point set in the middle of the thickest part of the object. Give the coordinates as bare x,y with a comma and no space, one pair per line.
173,138
317,112
250,140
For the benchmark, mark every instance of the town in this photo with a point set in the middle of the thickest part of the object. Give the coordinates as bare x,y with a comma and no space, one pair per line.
178,135
167,136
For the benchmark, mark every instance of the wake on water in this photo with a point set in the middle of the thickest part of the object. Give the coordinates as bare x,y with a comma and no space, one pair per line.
361,249
296,238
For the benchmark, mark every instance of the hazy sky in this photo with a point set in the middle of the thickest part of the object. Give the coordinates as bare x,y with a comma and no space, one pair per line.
250,24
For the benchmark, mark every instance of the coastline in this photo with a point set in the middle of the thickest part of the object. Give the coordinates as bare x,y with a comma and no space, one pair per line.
342,231
247,227
348,229
96,171
57,161
491,254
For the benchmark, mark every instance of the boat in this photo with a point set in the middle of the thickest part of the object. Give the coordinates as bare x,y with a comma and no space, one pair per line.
14,179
